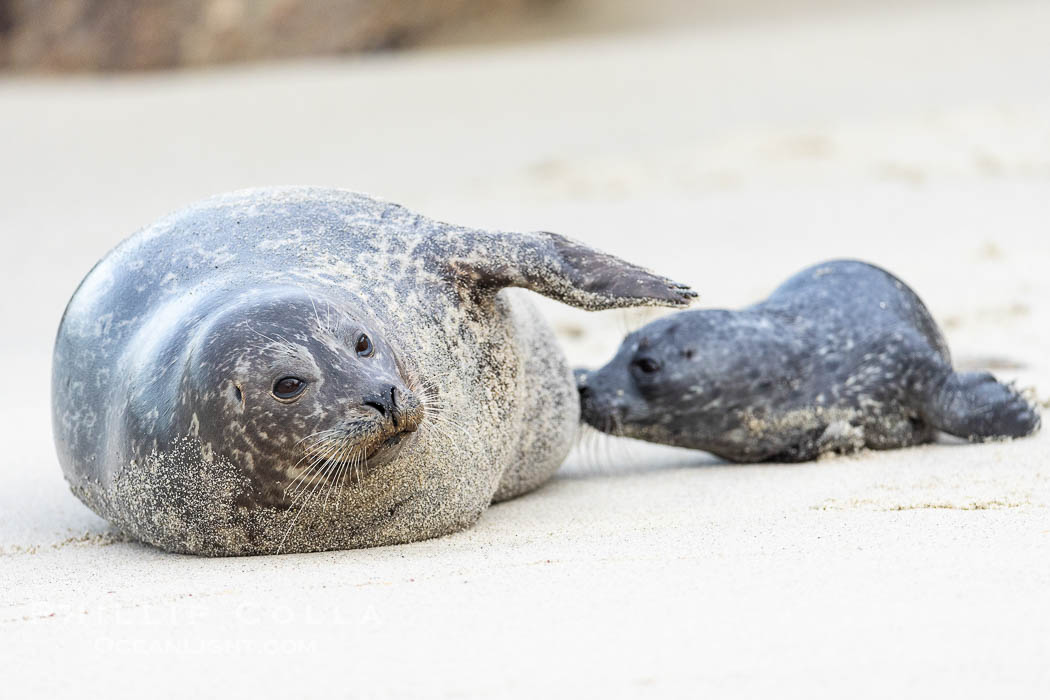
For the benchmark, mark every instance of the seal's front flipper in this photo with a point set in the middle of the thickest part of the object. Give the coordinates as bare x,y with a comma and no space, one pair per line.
562,269
973,405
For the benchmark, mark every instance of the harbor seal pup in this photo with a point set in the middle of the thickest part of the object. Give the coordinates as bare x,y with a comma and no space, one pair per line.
301,369
841,356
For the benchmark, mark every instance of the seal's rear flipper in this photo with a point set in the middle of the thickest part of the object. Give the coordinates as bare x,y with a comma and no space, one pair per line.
973,405
561,269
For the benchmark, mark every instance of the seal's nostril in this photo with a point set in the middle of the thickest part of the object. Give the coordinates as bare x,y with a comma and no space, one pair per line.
585,392
395,406
377,406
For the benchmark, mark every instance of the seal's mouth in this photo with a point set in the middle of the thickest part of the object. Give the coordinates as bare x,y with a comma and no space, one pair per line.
603,415
346,465
393,441
382,440
345,454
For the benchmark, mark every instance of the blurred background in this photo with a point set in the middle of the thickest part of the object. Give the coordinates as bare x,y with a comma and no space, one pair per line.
93,35
725,143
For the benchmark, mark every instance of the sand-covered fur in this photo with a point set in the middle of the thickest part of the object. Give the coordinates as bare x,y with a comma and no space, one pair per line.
424,389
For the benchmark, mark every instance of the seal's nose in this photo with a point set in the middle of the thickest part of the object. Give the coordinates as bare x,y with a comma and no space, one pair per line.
399,408
383,402
581,383
397,413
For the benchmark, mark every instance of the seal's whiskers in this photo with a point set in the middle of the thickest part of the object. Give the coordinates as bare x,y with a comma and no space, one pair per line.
302,482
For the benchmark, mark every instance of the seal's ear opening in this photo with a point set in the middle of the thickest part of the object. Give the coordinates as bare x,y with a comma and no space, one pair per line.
238,395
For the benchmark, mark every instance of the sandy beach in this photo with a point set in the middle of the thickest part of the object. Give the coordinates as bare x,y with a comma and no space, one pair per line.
728,154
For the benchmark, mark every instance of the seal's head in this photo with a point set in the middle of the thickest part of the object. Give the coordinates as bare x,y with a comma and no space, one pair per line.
295,391
672,381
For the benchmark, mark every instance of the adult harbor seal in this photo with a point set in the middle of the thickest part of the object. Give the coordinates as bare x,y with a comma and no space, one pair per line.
302,369
841,356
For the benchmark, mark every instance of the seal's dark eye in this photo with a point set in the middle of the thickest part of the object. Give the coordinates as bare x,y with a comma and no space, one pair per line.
288,387
647,365
364,346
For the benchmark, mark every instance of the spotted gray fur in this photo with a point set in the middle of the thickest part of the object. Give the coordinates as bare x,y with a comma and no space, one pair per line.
841,356
168,352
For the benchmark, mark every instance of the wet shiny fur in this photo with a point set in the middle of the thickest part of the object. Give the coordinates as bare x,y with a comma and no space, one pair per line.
841,356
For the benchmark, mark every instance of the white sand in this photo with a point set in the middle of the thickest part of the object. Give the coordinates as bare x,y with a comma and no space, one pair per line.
727,156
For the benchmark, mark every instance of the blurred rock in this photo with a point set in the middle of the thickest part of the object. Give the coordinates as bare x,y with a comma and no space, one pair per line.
74,35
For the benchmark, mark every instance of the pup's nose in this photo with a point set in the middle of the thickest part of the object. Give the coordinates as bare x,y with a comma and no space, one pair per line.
581,383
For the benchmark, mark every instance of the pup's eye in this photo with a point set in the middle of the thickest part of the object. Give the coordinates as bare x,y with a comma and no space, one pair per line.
288,387
647,365
364,346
